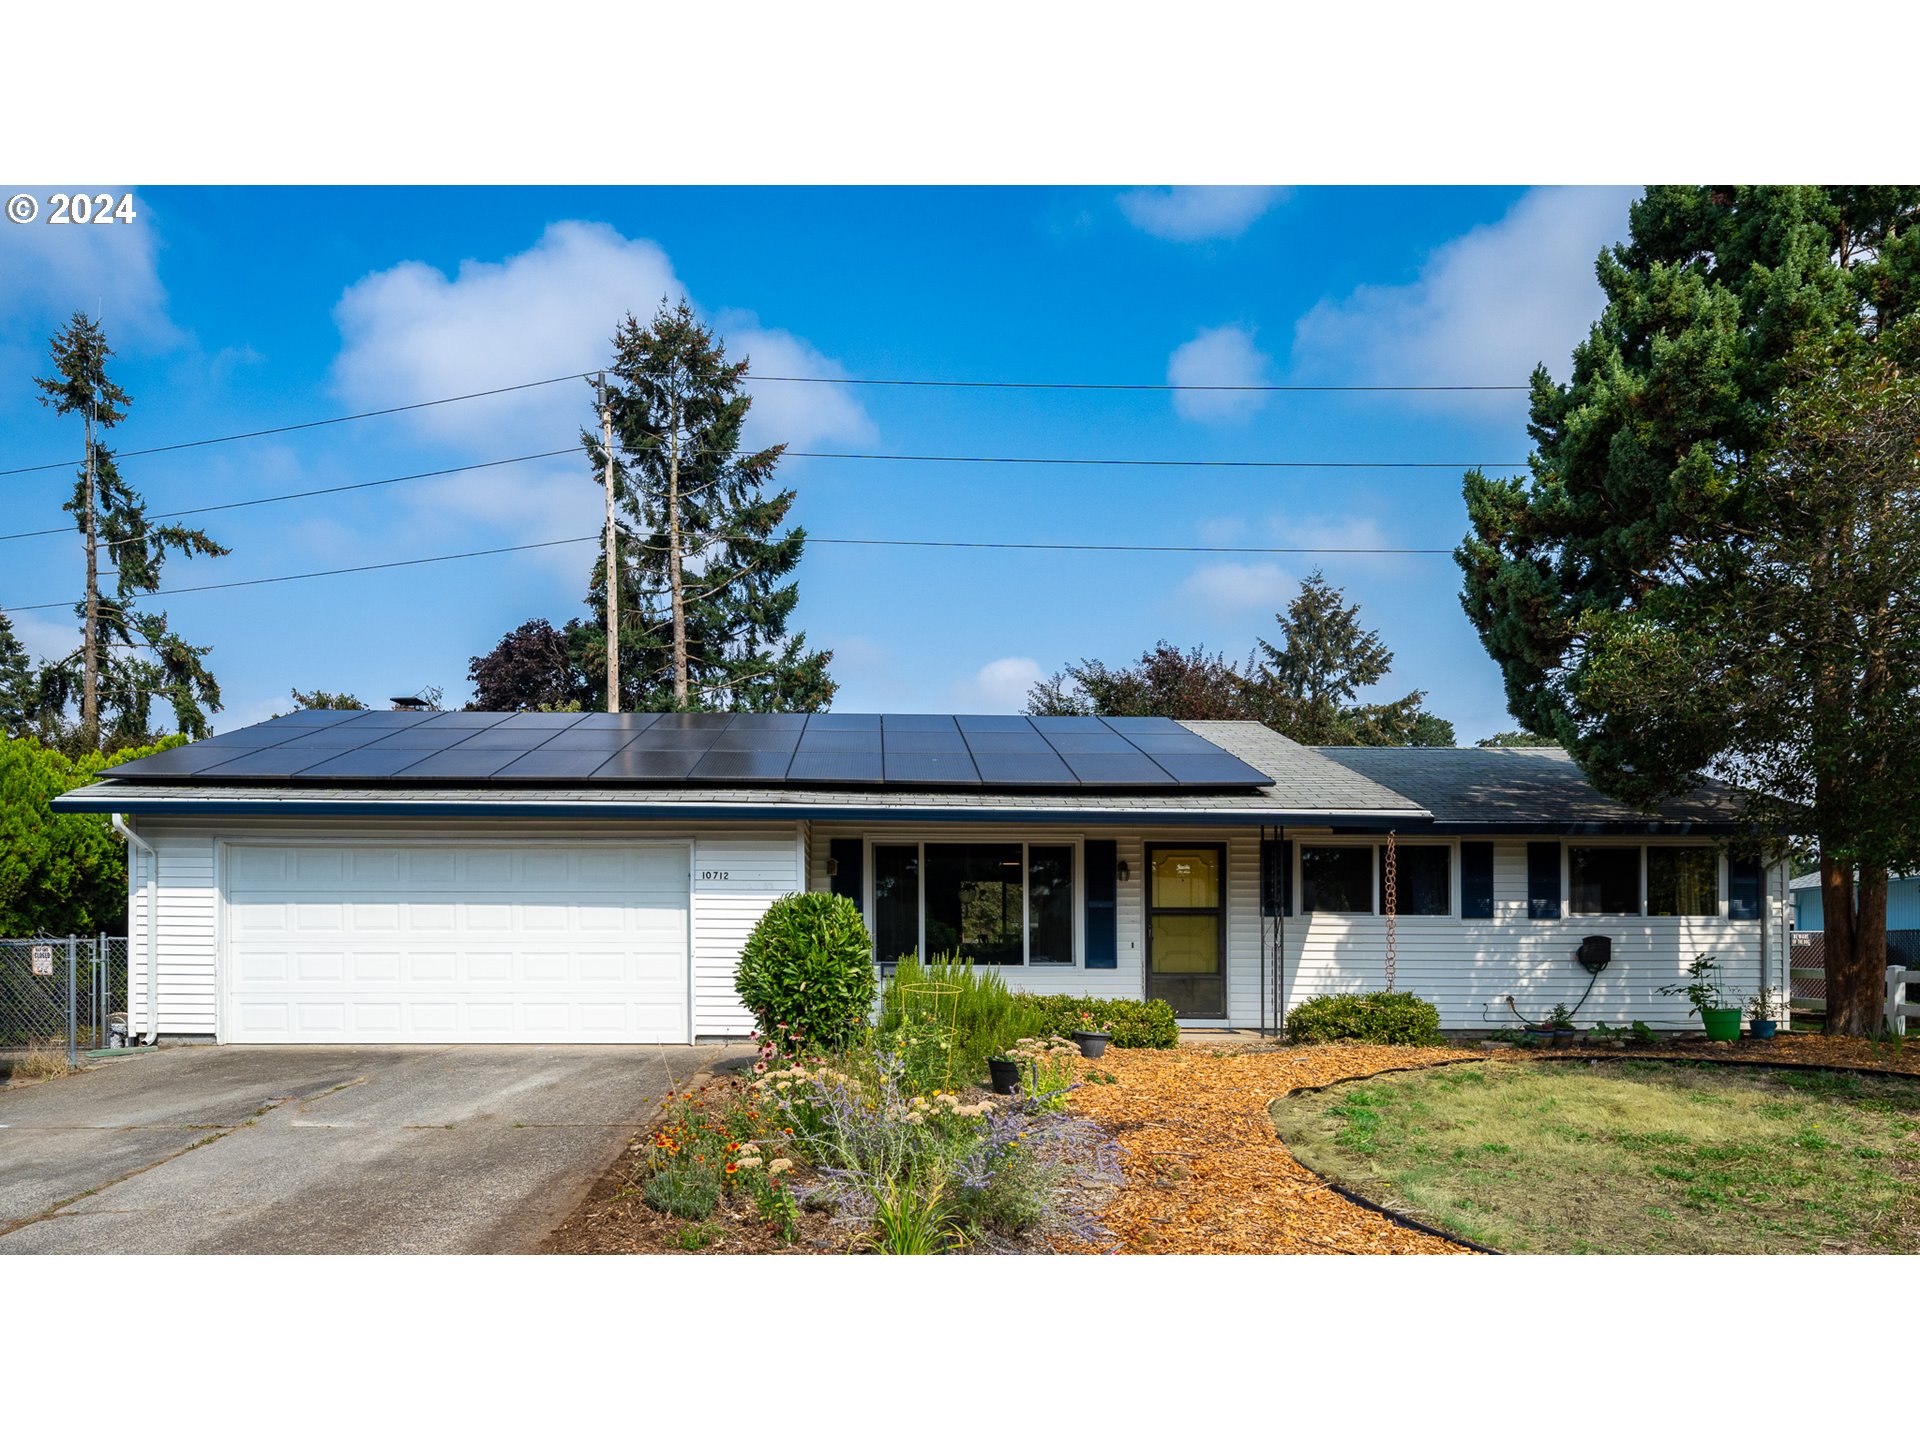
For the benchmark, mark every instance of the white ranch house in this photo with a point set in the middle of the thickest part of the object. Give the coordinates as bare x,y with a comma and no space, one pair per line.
428,877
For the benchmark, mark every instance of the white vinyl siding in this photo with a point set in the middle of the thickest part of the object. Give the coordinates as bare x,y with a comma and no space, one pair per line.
762,861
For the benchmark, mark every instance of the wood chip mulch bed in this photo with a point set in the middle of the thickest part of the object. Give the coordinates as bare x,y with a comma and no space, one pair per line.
1205,1173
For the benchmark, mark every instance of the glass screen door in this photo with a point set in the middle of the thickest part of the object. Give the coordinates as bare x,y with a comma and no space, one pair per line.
1187,929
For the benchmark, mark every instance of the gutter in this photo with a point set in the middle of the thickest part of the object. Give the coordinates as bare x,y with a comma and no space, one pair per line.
153,924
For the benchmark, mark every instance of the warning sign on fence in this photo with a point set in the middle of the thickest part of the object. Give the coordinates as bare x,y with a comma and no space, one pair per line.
42,959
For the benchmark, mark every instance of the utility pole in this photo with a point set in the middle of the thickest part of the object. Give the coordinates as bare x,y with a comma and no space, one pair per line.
613,571
90,646
673,551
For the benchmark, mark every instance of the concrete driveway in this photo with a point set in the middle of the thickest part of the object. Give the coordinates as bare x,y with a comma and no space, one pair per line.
332,1150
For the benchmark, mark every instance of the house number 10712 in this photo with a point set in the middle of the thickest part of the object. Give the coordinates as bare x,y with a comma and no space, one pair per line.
714,875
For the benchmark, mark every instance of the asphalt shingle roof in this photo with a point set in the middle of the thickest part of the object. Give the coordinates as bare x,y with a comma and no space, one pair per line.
1537,788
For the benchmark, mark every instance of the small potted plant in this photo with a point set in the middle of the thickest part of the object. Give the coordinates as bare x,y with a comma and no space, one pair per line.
1722,1021
1091,1039
1560,1025
1763,1013
1003,1074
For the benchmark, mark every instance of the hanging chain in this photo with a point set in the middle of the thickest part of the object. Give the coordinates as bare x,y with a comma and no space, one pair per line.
1393,907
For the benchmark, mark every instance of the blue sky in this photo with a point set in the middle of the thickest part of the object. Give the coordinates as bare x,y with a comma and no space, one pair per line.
241,308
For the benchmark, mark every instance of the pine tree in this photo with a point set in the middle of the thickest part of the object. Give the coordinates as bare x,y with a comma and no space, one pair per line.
705,601
126,657
1712,568
19,686
1308,685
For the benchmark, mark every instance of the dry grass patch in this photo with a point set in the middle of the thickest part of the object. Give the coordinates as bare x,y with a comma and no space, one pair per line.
1638,1157
40,1060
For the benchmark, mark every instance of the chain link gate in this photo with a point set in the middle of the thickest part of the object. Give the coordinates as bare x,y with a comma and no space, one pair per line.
61,995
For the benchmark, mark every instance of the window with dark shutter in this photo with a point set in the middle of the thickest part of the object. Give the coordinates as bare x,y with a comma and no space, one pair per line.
1743,888
1476,880
1276,877
848,876
1543,879
1102,916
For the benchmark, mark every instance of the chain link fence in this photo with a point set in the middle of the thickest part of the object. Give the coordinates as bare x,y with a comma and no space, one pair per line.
60,996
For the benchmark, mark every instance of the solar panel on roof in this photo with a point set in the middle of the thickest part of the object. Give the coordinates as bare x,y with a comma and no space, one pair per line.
929,768
1062,752
1088,743
731,765
843,767
990,724
818,723
1013,768
635,763
925,742
460,763
548,763
903,724
1102,769
995,742
1218,768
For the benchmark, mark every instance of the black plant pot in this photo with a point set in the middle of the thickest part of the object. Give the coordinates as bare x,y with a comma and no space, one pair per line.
1092,1043
1566,1037
1004,1076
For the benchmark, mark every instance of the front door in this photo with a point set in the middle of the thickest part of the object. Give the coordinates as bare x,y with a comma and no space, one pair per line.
1187,929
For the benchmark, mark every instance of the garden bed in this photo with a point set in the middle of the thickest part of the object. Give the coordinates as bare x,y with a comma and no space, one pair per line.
1788,1049
1643,1156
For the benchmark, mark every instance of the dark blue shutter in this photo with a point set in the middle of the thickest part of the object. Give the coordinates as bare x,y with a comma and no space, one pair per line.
1103,910
1743,889
1543,879
849,870
1476,880
1276,877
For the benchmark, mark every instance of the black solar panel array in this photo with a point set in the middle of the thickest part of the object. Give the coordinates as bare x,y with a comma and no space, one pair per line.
992,752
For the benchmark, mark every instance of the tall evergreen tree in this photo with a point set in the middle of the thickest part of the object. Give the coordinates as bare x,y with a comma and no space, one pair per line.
19,686
1709,568
705,595
127,657
1309,683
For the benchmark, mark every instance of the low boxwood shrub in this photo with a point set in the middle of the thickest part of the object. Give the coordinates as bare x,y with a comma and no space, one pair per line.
1134,1024
807,971
1381,1017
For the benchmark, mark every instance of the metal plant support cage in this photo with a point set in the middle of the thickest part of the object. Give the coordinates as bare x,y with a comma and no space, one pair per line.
935,991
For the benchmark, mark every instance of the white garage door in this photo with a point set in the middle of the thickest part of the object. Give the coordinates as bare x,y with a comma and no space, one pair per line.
332,944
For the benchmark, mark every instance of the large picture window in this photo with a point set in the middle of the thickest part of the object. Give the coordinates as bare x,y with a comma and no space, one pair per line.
1683,880
994,903
1603,879
1337,879
1423,877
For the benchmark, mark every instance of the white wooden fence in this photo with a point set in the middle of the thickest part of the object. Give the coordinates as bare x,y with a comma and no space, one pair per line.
1899,1008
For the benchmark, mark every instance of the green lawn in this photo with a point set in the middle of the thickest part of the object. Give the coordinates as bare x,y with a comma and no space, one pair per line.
1640,1157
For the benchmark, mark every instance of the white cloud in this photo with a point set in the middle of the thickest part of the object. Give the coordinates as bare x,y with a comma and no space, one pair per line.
1233,587
109,271
999,686
1225,355
46,639
1197,212
412,333
1223,530
1487,306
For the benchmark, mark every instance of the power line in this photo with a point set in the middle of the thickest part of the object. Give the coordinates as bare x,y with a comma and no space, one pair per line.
305,494
1125,386
302,425
1170,464
1121,387
811,539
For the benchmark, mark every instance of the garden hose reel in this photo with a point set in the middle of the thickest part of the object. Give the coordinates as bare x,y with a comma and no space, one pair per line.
1595,953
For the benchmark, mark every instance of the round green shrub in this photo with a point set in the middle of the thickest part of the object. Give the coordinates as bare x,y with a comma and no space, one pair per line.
807,970
1381,1017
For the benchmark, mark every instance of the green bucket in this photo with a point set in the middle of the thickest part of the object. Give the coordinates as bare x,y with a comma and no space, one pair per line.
1721,1024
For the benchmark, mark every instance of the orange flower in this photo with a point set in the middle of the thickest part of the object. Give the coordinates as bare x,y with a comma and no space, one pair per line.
731,1167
